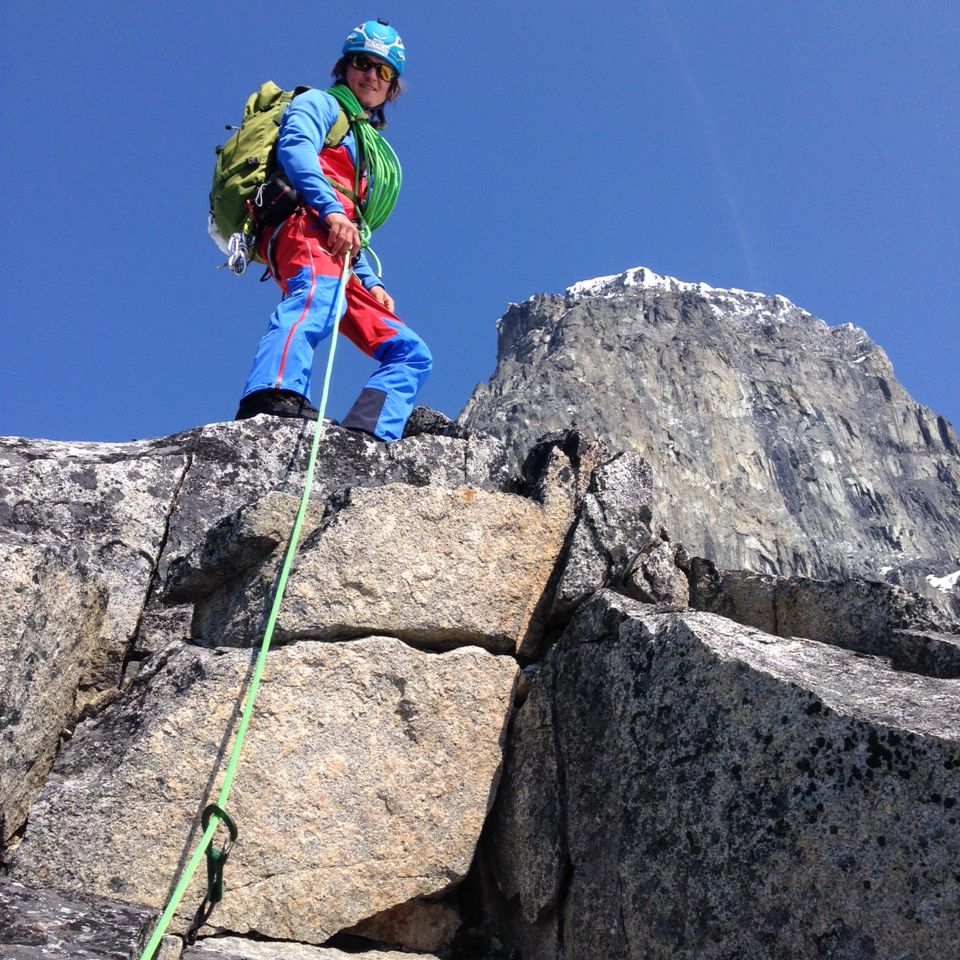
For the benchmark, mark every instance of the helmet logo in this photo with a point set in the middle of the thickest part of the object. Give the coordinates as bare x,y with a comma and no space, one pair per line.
379,39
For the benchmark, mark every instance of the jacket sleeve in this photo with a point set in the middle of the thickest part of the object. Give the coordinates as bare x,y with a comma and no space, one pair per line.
305,124
365,273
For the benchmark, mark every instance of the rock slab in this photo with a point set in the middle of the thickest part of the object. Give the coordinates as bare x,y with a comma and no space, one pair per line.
109,503
435,567
366,776
612,527
681,786
236,948
51,620
44,924
863,615
232,465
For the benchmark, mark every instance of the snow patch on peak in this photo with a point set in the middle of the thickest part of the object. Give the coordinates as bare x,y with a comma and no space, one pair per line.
731,303
944,584
634,277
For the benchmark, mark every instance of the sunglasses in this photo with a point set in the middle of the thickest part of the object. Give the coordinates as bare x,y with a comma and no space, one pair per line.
384,71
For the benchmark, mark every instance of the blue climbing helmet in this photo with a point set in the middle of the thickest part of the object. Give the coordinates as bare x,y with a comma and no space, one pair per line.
377,37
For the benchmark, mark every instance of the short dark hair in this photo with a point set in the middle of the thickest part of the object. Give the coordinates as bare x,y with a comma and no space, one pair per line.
377,119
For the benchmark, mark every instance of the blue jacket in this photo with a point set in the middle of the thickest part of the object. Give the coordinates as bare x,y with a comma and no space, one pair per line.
306,122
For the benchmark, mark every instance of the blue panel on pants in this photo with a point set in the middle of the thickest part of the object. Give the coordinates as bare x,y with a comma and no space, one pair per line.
300,322
405,362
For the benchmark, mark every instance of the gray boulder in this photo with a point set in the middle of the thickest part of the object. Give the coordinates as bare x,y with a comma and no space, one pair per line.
364,783
51,621
656,575
130,510
107,502
612,527
40,924
681,786
857,614
232,465
436,567
90,530
237,463
236,948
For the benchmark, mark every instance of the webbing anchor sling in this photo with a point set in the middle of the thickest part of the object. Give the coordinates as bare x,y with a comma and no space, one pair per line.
215,813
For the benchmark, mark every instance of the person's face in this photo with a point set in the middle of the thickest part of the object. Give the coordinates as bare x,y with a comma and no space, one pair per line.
365,78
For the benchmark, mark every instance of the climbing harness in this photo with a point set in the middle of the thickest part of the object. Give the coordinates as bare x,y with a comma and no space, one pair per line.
215,813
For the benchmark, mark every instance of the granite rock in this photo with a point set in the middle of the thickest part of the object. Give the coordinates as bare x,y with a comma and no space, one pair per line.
424,420
778,444
235,543
109,504
435,567
858,614
51,620
237,948
612,527
654,576
582,455
40,924
133,508
429,925
233,465
365,780
682,786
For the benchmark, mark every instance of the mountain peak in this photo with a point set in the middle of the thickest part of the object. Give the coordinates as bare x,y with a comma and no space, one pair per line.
778,443
730,303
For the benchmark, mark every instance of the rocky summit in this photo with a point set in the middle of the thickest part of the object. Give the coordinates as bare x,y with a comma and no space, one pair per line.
507,713
778,444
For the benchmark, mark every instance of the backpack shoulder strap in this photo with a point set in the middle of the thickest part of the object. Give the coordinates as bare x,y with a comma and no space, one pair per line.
338,131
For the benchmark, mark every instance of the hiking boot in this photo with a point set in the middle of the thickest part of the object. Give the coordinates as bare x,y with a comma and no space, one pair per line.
277,403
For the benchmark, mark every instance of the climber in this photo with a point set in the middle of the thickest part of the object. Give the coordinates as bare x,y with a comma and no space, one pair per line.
306,251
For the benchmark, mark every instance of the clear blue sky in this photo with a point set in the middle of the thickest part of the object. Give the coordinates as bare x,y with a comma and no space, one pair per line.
806,149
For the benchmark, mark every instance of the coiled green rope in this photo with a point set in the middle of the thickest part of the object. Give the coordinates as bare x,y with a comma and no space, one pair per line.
384,175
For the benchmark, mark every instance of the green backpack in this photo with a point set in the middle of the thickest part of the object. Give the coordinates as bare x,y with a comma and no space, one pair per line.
249,192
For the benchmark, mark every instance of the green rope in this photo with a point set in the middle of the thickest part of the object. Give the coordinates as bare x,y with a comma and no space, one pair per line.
384,175
231,770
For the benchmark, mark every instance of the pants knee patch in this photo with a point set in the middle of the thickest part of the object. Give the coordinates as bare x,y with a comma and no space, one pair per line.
366,411
406,347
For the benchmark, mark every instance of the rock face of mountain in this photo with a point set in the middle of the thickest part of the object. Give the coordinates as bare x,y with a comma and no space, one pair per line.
504,715
778,444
